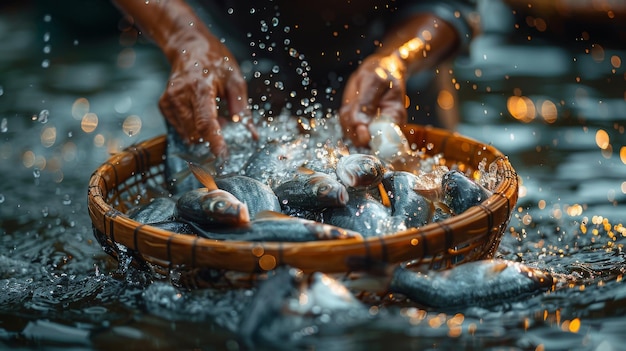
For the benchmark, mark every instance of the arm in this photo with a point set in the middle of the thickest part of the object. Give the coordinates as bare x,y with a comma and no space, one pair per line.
377,87
203,69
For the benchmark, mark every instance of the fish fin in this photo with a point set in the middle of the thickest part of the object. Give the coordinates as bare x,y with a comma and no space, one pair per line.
383,195
271,215
203,176
304,170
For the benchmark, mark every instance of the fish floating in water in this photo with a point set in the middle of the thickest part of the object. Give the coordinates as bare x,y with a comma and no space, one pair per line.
478,283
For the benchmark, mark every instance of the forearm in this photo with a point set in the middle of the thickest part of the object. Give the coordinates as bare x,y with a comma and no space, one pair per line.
421,42
169,23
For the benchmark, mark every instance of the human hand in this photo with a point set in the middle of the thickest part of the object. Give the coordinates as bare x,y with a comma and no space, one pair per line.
377,87
203,69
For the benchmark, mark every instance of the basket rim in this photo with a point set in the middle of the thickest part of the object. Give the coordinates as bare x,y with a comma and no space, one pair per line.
109,217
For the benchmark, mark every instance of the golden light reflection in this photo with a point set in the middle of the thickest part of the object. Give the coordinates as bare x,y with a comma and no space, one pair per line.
574,210
98,140
597,52
602,139
48,136
410,47
549,111
391,66
28,159
616,61
267,262
541,204
89,123
445,100
622,154
521,108
79,108
132,125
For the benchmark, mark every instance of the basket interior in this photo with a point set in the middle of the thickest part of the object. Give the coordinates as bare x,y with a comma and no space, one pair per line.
127,179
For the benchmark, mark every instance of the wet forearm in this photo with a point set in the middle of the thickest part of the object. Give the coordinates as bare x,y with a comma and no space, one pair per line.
421,42
170,23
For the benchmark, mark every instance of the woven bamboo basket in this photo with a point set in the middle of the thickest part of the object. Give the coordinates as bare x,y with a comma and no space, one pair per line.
121,183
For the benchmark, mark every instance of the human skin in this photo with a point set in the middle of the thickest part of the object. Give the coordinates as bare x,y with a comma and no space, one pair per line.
378,86
203,69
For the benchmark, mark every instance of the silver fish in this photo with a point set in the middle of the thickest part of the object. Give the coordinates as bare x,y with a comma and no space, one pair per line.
290,302
160,209
211,205
274,226
312,191
275,161
405,201
363,214
461,193
478,283
255,195
360,171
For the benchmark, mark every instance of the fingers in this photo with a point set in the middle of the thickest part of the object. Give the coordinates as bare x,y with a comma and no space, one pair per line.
367,96
206,126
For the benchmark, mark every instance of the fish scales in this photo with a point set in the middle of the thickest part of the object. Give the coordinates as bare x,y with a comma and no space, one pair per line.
257,196
478,283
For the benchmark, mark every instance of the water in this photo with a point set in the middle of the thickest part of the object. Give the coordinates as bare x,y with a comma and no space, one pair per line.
66,105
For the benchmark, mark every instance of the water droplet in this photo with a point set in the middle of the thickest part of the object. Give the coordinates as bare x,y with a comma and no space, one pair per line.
1,90
293,52
67,200
230,11
264,26
43,116
3,126
75,42
36,173
252,10
47,49
46,37
45,212
2,198
45,63
274,21
276,69
47,18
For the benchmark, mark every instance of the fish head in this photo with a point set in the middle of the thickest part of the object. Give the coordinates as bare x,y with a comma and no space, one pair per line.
328,190
225,208
360,170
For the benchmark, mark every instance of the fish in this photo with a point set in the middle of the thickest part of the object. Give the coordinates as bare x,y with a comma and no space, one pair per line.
405,201
276,226
160,209
461,193
290,305
360,171
177,157
478,283
275,161
311,190
363,214
210,206
255,195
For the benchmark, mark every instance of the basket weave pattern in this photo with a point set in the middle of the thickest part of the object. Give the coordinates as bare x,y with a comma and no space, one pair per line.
122,182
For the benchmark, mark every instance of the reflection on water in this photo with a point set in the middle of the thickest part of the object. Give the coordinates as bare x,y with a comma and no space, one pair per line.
66,104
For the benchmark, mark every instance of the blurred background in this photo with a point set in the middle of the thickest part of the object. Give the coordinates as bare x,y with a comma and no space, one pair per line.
545,83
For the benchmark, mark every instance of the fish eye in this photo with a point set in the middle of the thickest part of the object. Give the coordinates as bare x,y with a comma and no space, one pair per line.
219,205
323,189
